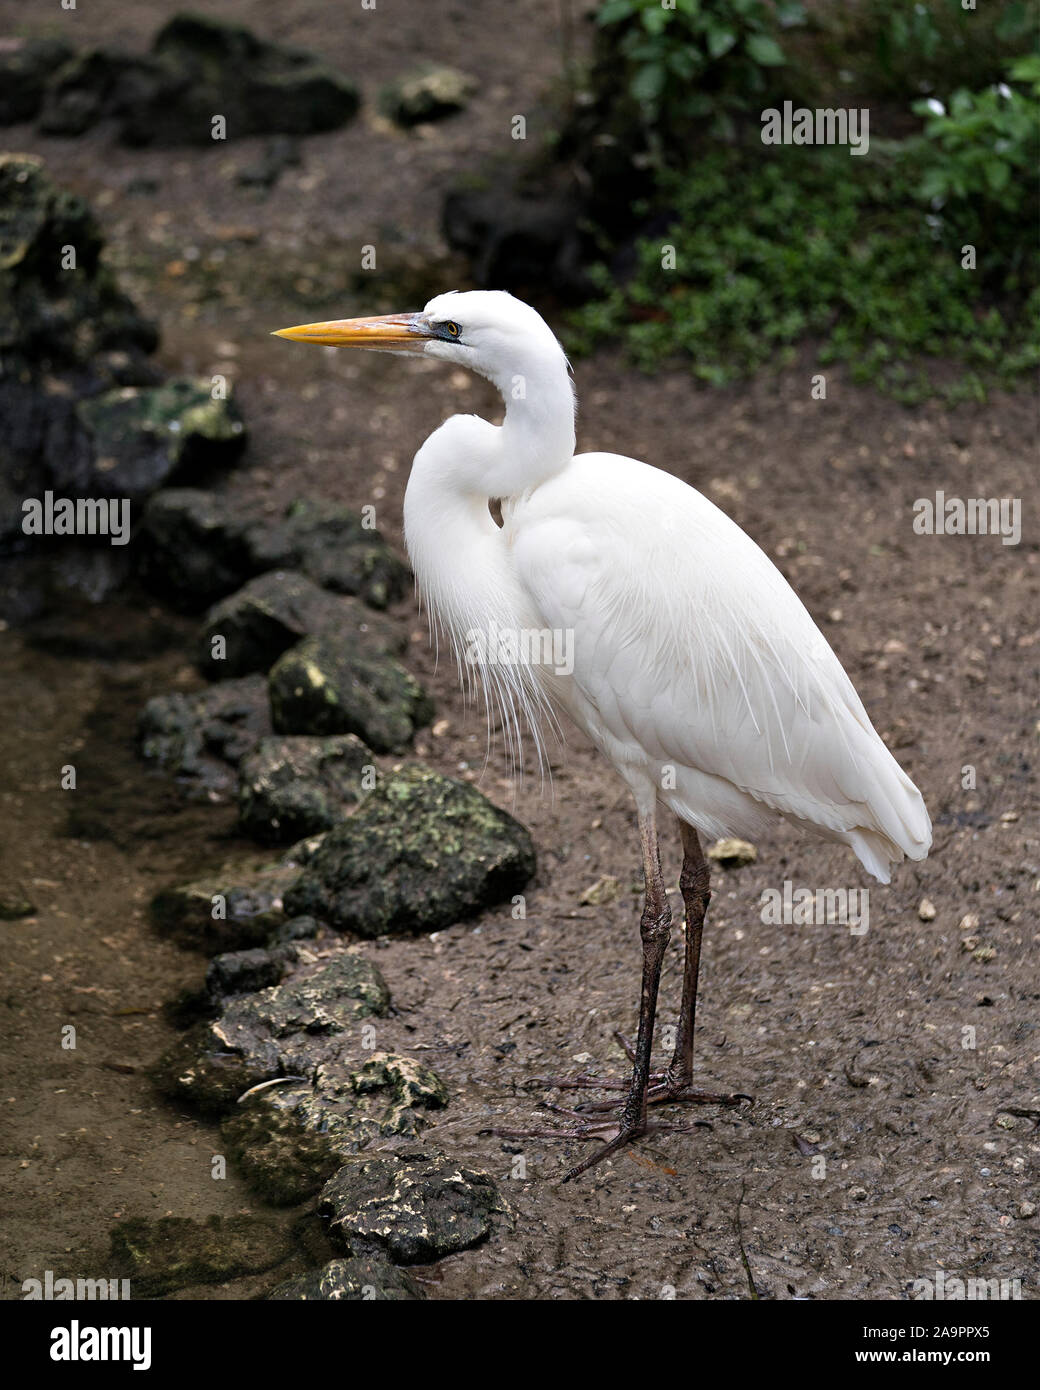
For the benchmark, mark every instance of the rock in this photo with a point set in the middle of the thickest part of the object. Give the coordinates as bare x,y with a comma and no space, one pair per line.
415,1206
60,332
145,437
83,91
25,65
199,547
342,990
372,1277
332,545
428,95
274,611
195,547
198,1070
603,891
245,972
926,910
200,65
422,851
732,854
289,1139
296,929
175,1252
518,242
292,787
286,1029
202,737
14,905
324,687
279,153
247,903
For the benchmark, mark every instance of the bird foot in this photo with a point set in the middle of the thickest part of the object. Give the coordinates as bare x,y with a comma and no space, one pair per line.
665,1087
616,1133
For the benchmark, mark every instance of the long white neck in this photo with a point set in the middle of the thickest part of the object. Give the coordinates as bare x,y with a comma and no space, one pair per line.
461,560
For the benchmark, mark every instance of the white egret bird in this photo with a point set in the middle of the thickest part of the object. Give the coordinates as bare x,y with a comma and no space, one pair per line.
692,664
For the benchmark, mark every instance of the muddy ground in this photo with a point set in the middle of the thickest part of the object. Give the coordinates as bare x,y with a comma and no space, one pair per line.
905,1056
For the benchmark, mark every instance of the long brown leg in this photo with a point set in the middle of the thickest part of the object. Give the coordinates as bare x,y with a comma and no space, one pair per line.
695,886
676,1082
654,931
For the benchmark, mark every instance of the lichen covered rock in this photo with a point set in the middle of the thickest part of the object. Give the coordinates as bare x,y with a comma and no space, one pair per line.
288,1029
143,437
322,686
359,1279
288,1139
427,95
415,1206
294,787
423,851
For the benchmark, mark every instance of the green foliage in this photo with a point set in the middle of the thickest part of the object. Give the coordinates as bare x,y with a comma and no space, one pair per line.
700,59
984,156
904,49
784,244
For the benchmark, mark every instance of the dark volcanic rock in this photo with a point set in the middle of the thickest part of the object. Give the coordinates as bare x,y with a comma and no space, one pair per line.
198,547
422,852
232,910
25,65
175,1252
358,1279
427,95
195,547
49,312
62,327
274,611
414,1205
518,242
244,972
201,737
284,1030
144,437
201,66
289,1139
324,687
332,545
84,91
292,787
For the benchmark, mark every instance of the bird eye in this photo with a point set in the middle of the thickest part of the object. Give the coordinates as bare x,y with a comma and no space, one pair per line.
452,329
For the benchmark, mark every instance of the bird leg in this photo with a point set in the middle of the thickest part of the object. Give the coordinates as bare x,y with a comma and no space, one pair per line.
654,930
675,1083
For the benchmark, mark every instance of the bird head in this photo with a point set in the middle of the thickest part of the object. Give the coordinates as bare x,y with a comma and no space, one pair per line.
488,331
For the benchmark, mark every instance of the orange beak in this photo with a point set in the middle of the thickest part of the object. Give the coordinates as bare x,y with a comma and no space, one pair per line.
386,332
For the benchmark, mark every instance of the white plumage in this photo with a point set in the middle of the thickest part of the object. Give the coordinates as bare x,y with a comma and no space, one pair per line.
695,667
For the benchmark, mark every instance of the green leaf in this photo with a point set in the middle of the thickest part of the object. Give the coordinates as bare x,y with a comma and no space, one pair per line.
720,40
765,50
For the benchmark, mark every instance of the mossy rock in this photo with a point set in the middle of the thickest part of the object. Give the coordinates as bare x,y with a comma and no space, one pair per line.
324,686
423,851
249,630
298,786
146,437
359,1279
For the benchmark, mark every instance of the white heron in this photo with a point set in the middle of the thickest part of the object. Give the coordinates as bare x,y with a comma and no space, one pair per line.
692,665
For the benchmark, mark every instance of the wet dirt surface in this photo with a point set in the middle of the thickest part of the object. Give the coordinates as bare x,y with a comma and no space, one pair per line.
905,1059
